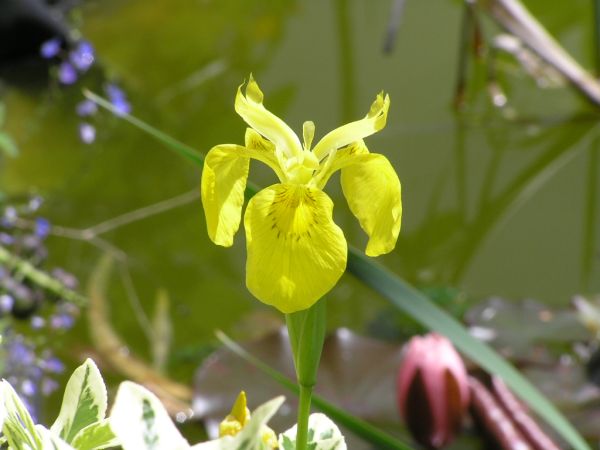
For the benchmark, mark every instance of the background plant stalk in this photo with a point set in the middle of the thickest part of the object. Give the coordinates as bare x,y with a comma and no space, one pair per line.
306,329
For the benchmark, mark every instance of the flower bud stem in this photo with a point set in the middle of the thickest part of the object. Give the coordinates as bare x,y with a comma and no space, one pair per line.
307,334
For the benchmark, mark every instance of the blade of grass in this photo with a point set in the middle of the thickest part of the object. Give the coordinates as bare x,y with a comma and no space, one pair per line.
359,427
411,301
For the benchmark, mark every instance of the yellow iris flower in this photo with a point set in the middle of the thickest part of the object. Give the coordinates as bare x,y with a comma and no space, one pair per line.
296,253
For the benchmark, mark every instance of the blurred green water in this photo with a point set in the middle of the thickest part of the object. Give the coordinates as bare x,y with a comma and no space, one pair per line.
491,206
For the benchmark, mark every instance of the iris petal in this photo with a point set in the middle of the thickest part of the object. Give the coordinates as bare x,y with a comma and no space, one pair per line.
251,109
224,178
373,192
354,131
296,253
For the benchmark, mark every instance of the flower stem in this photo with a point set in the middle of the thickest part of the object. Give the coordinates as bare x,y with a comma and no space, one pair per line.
307,334
303,414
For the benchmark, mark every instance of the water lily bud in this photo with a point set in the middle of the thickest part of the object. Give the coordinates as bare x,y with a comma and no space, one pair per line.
432,390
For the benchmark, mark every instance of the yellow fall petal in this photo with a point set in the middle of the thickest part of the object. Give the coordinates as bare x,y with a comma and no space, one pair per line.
224,178
251,109
296,253
373,192
354,131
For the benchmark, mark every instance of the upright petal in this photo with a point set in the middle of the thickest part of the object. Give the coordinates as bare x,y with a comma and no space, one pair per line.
354,131
372,188
296,253
251,108
223,184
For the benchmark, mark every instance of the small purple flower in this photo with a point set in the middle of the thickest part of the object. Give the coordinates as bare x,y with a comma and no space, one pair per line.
67,279
82,57
6,303
118,98
21,354
61,321
67,73
86,108
37,322
35,203
28,387
49,386
50,48
42,227
87,133
9,217
6,239
53,365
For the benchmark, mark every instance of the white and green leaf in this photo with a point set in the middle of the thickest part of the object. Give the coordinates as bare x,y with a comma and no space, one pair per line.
323,434
51,441
84,402
140,422
18,426
96,436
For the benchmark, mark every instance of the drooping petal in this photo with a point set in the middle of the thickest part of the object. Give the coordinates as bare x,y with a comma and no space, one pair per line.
296,253
354,131
251,109
223,183
373,192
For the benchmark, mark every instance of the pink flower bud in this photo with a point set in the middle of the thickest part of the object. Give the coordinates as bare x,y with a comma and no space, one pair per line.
432,389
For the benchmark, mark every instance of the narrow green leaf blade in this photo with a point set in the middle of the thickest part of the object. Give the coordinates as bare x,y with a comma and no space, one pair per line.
411,301
84,402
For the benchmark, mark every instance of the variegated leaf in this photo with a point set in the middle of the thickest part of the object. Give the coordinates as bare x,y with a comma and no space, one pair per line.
140,422
96,436
18,426
323,434
84,402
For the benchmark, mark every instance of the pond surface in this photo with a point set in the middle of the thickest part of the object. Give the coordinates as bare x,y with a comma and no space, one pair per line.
496,203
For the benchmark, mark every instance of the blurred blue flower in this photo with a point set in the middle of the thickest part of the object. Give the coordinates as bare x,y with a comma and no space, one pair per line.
61,321
6,303
82,57
87,132
37,322
42,227
118,99
67,73
50,48
86,108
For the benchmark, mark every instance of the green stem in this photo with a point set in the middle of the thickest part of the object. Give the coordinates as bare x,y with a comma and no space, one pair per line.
303,414
307,334
41,278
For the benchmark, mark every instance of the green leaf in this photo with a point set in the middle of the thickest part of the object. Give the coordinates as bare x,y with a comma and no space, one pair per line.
140,422
323,435
84,402
411,301
18,426
95,436
8,145
251,436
